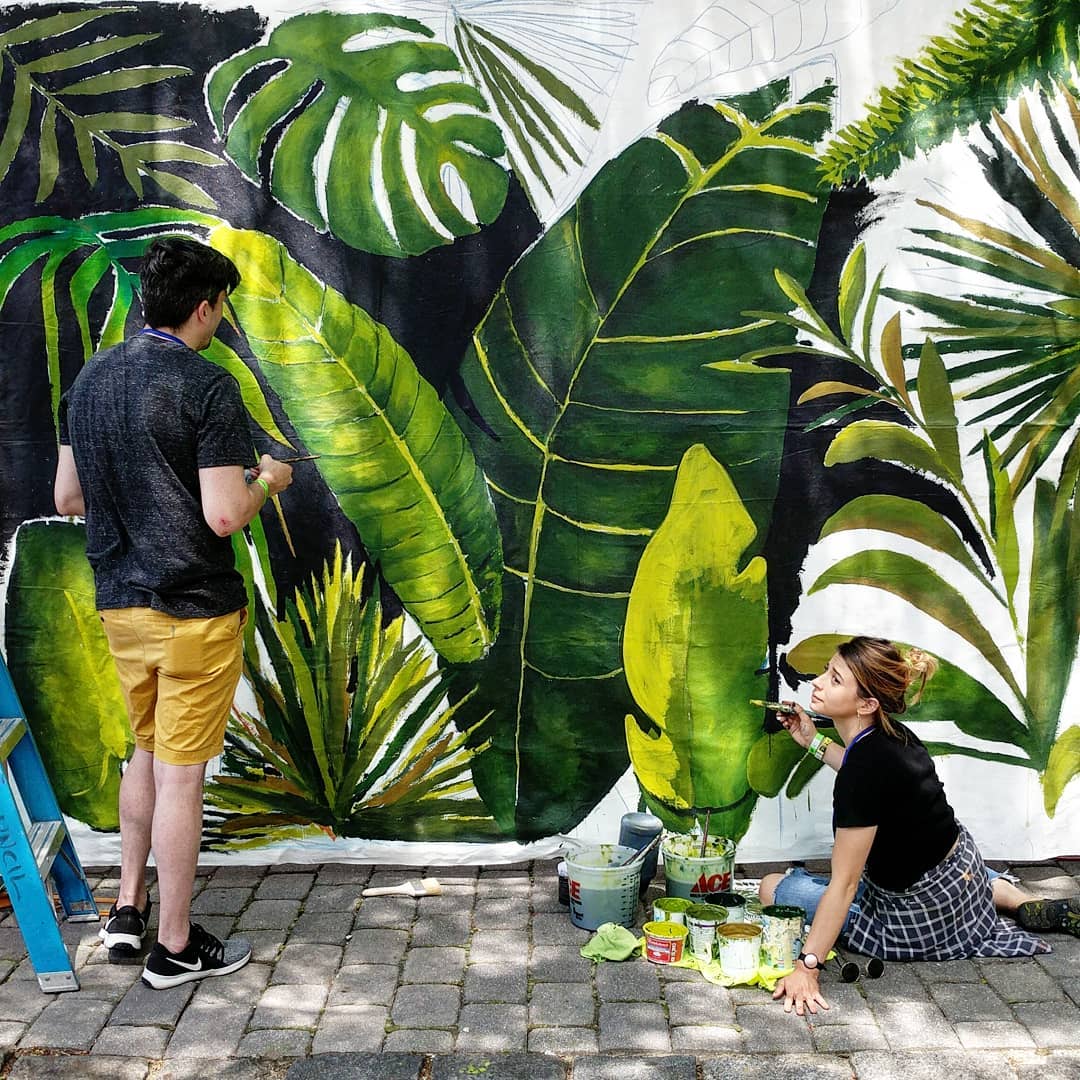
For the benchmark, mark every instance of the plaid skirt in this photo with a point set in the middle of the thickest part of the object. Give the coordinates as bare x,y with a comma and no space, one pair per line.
947,914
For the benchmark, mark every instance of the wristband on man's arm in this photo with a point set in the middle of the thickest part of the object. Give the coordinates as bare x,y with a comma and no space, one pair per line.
265,486
818,745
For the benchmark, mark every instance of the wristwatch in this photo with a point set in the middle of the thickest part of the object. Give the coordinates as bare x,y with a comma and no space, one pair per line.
810,961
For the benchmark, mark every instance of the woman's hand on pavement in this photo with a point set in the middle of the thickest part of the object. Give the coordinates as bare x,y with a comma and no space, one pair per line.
799,726
801,990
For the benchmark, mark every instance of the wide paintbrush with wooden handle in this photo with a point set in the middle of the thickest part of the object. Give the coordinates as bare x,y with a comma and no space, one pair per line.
428,886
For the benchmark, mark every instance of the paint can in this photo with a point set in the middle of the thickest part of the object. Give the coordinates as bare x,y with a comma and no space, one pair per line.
564,884
702,921
738,947
733,902
693,877
671,909
781,935
751,909
602,889
664,942
636,830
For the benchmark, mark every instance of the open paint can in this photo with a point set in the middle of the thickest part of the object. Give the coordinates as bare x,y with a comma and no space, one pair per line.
702,921
738,947
602,888
781,935
692,875
733,902
671,909
664,942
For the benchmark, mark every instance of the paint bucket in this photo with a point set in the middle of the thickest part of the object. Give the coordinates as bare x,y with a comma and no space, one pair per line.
636,830
664,942
738,946
691,876
564,884
602,890
671,909
702,921
751,909
781,935
733,901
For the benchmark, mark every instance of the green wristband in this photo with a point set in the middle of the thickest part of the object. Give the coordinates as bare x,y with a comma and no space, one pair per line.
265,486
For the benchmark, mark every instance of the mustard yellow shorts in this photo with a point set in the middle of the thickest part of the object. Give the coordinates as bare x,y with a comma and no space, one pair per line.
179,677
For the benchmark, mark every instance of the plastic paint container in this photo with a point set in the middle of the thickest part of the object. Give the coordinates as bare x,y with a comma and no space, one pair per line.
636,830
664,942
738,946
601,889
752,910
733,901
702,921
781,935
693,877
671,909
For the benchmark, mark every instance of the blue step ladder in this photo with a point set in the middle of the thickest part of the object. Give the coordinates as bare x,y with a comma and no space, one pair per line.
34,846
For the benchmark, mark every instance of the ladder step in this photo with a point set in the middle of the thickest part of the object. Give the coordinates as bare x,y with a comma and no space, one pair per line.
45,839
12,729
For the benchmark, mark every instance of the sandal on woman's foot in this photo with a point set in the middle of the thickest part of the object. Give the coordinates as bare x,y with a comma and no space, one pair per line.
1051,915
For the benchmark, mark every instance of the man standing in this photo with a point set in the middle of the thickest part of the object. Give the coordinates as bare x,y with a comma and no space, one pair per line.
153,445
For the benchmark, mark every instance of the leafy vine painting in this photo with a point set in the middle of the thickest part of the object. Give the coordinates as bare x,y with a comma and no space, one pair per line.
644,351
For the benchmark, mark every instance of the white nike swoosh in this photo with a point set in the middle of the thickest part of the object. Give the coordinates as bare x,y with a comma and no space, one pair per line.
197,966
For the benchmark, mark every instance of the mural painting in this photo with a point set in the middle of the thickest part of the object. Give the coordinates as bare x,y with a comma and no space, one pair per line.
637,353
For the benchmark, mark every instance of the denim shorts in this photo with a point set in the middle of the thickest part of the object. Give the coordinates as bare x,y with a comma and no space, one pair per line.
800,889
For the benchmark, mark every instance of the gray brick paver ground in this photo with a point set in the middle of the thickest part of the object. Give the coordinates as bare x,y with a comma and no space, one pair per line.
968,1001
502,913
290,1005
141,1005
336,897
706,1038
382,912
993,1034
491,1029
307,963
214,901
563,1040
78,1068
350,1027
912,1024
452,928
634,1026
562,1005
557,963
699,1003
1021,980
364,984
270,1043
1051,1024
321,927
426,1006
777,1067
631,980
767,1028
1064,960
59,1025
268,915
679,1067
10,1034
130,1041
496,982
498,946
931,1065
434,964
847,1038
372,946
419,1041
284,886
209,1029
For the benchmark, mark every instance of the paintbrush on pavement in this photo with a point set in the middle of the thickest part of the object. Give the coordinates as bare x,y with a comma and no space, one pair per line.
428,886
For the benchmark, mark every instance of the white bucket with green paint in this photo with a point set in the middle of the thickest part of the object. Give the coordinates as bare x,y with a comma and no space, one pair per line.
602,890
693,876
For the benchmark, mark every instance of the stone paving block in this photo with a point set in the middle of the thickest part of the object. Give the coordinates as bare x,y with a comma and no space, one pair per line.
332,897
77,1068
631,980
1056,1065
1071,986
948,971
351,1066
562,1005
498,1067
426,1006
434,964
109,981
449,929
846,1006
492,883
491,1029
563,1040
141,1005
1065,959
343,874
914,1025
10,1033
321,928
496,982
559,963
846,1038
307,963
766,1027
710,1038
899,983
376,947
62,1027
275,1044
967,1001
350,1027
634,1026
778,1067
544,896
215,901
233,876
364,984
12,946
232,1069
420,1041
930,1065
127,1040
995,1034
269,915
290,1005
670,974
679,1067
266,945
208,1029
699,1003
284,886
557,929
242,987
22,999
498,946
1051,1025
1021,980
384,912
502,913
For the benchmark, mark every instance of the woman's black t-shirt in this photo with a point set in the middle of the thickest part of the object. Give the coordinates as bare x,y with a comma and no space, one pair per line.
892,784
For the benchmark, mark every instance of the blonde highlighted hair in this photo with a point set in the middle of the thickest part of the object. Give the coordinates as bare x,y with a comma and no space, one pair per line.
883,672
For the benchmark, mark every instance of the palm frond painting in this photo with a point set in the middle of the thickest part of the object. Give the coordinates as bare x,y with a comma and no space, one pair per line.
63,64
349,739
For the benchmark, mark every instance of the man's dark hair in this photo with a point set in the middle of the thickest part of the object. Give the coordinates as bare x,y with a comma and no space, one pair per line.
179,274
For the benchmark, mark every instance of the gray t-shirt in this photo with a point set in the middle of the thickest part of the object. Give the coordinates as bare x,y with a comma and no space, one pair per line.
142,418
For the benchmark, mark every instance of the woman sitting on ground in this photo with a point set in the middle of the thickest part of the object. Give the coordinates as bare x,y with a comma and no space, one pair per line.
907,881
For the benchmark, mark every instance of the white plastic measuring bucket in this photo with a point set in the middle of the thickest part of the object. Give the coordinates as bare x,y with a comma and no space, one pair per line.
601,889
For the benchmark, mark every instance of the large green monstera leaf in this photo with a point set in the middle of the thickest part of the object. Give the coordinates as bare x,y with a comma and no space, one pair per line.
389,450
697,626
366,141
61,668
604,357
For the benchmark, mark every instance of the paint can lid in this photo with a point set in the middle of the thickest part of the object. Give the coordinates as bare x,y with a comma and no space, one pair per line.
640,824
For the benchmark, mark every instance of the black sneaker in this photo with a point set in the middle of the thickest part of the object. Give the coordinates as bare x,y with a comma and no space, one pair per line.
1051,915
203,957
124,930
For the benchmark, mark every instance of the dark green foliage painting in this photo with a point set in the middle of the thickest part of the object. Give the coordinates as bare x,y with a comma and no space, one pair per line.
638,354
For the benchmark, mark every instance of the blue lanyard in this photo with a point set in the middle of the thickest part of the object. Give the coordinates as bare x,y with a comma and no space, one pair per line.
858,738
164,335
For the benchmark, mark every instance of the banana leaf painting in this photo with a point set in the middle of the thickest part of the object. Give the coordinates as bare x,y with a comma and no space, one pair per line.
631,358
